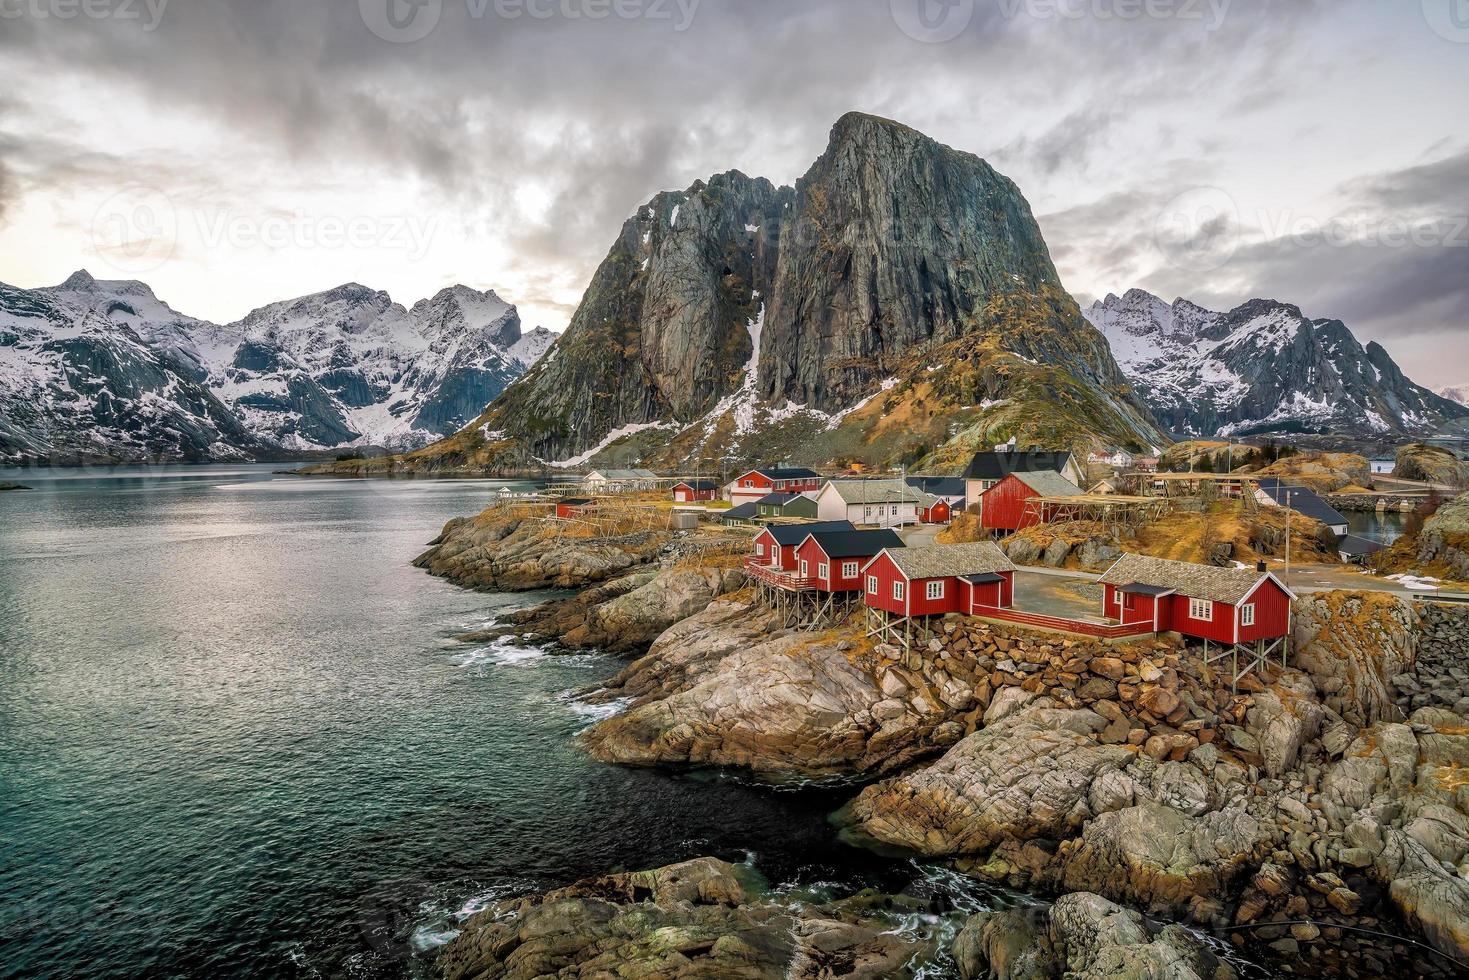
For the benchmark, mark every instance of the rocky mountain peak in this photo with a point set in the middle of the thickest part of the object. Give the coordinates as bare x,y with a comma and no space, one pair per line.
1260,367
83,281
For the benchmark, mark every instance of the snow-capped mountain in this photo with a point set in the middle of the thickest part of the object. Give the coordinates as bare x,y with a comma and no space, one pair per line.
1459,394
96,369
1261,367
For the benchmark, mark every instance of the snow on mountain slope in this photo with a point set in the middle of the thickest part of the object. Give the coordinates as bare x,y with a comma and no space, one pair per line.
345,367
1261,367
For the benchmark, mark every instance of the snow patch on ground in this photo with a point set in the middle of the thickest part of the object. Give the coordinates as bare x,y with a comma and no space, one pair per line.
611,437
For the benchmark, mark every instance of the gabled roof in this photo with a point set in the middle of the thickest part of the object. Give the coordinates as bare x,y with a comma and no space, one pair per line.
855,544
742,512
792,534
944,560
1302,500
1229,585
776,499
881,492
942,486
784,473
1048,483
997,466
1358,546
575,502
697,484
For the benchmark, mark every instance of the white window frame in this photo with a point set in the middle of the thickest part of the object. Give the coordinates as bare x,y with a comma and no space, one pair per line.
872,585
1117,598
805,569
1201,610
899,590
759,550
850,569
823,571
934,590
1247,615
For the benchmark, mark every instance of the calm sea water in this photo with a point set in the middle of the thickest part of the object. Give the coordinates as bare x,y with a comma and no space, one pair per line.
236,738
1386,528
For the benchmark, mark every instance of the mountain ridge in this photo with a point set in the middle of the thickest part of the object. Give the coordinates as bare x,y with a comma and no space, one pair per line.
1262,367
103,370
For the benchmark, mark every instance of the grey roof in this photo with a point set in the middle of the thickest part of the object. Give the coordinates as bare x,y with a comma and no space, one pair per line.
576,501
881,492
740,513
1048,483
1302,500
1355,544
983,578
1138,588
777,499
1187,579
855,544
789,534
698,484
944,560
942,486
997,466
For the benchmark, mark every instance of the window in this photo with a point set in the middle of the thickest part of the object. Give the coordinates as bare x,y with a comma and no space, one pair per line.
895,510
935,590
1247,615
805,569
1117,599
1201,609
849,569
747,483
898,591
759,550
821,571
872,585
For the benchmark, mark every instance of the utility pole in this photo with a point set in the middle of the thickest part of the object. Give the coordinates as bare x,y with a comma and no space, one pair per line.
1287,538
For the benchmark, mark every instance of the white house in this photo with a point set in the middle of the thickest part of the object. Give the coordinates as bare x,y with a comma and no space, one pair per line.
880,503
1118,459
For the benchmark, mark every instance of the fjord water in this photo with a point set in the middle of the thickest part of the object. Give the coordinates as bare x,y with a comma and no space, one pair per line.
237,739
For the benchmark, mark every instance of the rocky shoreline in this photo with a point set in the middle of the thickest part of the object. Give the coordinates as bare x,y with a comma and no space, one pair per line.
1309,817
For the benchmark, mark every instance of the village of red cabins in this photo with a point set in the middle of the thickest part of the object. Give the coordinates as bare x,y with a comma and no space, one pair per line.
818,572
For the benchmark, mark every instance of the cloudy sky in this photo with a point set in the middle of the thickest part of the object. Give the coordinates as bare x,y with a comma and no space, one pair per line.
235,152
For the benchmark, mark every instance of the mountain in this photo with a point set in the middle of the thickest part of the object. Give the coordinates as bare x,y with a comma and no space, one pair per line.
898,302
94,370
1459,394
1261,367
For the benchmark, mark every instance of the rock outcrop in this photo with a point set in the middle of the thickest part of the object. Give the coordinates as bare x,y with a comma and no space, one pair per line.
1085,937
1352,644
623,615
784,706
1432,464
511,549
702,918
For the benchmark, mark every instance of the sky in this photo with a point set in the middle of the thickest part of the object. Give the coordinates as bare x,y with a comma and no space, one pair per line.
232,153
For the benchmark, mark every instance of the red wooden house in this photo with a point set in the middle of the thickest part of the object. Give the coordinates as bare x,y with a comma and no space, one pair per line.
754,484
574,507
936,511
1003,507
833,560
694,491
775,546
1223,605
943,578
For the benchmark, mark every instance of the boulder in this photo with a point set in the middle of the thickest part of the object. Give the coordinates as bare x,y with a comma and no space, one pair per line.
1025,777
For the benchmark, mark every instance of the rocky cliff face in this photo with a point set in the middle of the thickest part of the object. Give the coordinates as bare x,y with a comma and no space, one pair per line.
735,310
97,370
1261,367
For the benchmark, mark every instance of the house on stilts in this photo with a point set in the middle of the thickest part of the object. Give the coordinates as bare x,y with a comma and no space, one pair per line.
820,581
1241,615
904,587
